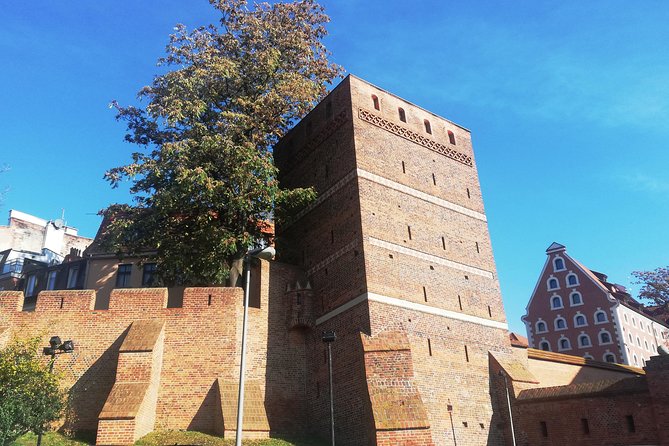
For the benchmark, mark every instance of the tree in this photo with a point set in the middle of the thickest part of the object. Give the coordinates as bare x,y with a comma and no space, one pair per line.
30,396
206,178
655,285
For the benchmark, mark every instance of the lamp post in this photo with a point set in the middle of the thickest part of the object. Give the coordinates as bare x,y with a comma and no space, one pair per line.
260,253
508,403
55,347
329,337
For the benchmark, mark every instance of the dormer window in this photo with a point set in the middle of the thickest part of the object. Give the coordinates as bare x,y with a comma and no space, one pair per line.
560,323
600,317
556,302
553,284
558,264
572,279
564,344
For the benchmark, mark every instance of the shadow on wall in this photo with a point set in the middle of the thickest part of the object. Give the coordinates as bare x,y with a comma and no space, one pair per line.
208,416
89,394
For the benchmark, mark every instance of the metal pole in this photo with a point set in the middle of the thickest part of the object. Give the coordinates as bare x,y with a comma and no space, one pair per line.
508,402
242,368
53,359
332,424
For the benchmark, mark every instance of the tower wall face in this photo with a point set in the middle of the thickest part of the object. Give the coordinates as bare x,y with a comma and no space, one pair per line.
397,241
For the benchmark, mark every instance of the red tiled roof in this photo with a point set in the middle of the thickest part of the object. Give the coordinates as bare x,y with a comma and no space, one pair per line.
542,355
518,340
596,388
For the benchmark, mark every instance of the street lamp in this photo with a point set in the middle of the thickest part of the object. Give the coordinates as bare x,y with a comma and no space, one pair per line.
508,402
259,253
56,347
329,337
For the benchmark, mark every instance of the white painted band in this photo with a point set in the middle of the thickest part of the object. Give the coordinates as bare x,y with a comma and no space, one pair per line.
421,195
411,306
430,258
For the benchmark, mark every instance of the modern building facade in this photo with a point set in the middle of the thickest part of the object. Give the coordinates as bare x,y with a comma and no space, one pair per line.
577,311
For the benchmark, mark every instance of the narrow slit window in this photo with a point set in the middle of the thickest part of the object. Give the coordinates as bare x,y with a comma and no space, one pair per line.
489,311
375,101
478,250
443,243
331,235
434,179
409,231
428,127
469,195
429,347
451,137
328,110
460,302
630,423
425,294
404,168
403,116
544,429
466,354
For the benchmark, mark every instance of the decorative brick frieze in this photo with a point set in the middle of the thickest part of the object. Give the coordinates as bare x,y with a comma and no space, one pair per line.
414,137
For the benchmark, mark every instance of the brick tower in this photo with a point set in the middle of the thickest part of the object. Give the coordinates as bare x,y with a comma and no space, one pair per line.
397,251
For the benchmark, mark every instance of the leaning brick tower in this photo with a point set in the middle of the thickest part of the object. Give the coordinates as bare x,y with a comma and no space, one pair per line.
397,251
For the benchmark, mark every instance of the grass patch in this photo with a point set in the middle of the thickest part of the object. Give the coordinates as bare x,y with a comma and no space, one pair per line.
192,438
48,439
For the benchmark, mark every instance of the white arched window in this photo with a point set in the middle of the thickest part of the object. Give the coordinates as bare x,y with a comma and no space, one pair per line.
588,356
629,335
564,344
558,264
545,346
572,279
609,357
560,323
636,360
580,320
600,317
638,341
575,299
553,284
556,302
605,337
646,345
584,341
541,327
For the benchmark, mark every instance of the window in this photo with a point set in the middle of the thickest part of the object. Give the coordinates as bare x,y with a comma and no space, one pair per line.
588,356
584,341
553,284
600,317
403,116
646,345
575,299
541,327
545,346
564,344
560,323
556,302
428,127
609,357
123,275
558,264
451,137
148,274
544,429
585,427
638,341
630,423
328,110
30,285
625,317
572,279
604,337
634,321
641,325
72,276
375,101
629,335
580,321
636,360
51,280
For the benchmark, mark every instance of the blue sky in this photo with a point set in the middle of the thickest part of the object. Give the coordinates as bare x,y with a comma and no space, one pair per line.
568,105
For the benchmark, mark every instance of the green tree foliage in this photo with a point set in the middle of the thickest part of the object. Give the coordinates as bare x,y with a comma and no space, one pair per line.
30,396
655,285
206,177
